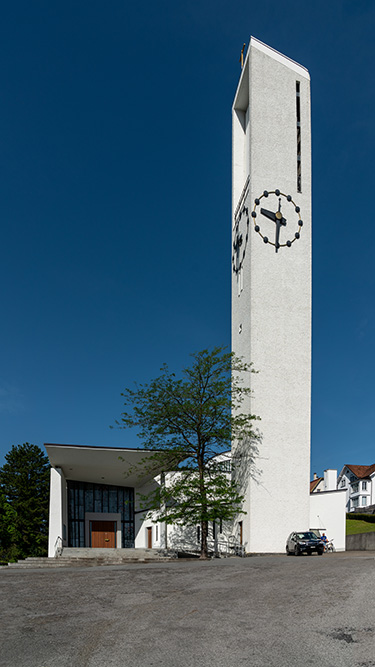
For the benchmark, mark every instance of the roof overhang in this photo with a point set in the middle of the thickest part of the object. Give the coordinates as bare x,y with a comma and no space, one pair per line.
109,465
241,99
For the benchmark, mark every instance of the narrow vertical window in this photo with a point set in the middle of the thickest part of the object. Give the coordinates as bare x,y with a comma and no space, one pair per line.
247,145
298,115
240,281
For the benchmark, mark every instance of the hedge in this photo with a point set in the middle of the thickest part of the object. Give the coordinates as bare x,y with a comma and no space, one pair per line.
361,517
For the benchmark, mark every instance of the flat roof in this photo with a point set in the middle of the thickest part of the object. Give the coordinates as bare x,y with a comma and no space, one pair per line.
120,466
241,98
280,57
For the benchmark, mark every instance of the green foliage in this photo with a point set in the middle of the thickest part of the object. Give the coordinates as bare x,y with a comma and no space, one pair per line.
8,519
185,497
355,527
24,486
357,516
189,420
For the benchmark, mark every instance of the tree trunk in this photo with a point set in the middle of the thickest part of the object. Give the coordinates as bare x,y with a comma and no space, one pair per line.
203,500
204,548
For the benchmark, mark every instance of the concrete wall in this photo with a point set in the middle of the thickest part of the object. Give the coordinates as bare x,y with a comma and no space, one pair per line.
360,542
173,536
372,495
271,295
57,512
328,512
143,518
330,480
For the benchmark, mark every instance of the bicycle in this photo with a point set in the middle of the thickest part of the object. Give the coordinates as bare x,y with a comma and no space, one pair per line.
329,547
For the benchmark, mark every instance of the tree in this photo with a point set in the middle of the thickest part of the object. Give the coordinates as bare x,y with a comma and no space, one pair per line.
189,420
8,517
24,483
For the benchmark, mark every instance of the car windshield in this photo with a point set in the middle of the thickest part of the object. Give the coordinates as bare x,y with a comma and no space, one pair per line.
306,536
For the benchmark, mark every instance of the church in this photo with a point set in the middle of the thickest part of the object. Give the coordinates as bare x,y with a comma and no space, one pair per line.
91,503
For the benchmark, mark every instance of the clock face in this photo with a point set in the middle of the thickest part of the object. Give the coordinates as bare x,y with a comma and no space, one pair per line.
240,238
277,219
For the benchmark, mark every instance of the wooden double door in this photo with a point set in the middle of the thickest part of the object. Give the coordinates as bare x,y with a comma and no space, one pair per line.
103,534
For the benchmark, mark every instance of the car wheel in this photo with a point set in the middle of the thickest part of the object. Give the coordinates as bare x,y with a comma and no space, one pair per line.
321,552
297,550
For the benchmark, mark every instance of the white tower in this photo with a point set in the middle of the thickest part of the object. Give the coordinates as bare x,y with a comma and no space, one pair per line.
271,286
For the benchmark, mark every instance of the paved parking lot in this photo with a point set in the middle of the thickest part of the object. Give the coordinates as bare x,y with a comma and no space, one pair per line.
259,612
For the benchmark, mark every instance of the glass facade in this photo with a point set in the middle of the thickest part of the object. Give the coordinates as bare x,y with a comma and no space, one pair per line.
86,497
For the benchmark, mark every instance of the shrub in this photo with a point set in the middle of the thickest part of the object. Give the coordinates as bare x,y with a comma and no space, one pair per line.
357,516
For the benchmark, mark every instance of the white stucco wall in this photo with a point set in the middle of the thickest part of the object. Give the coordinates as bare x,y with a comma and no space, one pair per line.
56,510
328,511
175,536
143,519
330,479
343,484
372,494
271,316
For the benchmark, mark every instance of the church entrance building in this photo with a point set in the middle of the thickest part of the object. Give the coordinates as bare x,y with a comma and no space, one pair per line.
93,498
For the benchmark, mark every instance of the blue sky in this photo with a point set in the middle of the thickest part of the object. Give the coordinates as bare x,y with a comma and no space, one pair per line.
115,206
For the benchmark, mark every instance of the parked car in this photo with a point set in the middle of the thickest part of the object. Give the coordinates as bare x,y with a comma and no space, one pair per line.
304,543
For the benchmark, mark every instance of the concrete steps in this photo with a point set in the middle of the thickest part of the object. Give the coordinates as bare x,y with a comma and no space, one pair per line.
85,552
93,557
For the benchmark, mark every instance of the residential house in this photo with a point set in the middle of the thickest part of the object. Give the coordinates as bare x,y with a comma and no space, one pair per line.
327,508
359,483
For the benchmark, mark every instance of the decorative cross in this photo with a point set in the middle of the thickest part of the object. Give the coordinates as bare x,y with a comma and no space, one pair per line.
241,56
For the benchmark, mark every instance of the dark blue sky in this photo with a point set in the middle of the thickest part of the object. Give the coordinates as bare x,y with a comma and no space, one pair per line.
115,172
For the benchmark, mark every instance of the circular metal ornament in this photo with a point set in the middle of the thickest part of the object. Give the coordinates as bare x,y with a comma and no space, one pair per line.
276,217
241,235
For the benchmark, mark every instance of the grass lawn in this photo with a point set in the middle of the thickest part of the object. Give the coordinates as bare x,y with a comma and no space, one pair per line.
353,527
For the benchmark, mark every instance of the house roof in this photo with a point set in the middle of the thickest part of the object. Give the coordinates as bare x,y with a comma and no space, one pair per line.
314,483
361,471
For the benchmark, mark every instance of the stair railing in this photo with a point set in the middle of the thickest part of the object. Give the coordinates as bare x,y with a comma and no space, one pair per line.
58,546
225,548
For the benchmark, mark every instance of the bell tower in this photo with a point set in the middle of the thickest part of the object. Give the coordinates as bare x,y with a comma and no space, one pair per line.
271,287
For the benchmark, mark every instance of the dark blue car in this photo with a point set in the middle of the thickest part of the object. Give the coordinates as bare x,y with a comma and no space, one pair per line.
304,543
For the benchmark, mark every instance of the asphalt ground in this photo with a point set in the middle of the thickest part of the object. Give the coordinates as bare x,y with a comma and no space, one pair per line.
259,612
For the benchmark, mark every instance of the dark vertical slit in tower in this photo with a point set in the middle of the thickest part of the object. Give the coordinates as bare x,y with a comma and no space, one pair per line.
298,113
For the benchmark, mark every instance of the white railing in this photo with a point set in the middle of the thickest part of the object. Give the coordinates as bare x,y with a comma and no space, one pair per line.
225,548
241,200
58,548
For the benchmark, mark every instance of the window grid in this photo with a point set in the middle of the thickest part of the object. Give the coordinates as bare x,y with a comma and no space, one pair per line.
102,498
